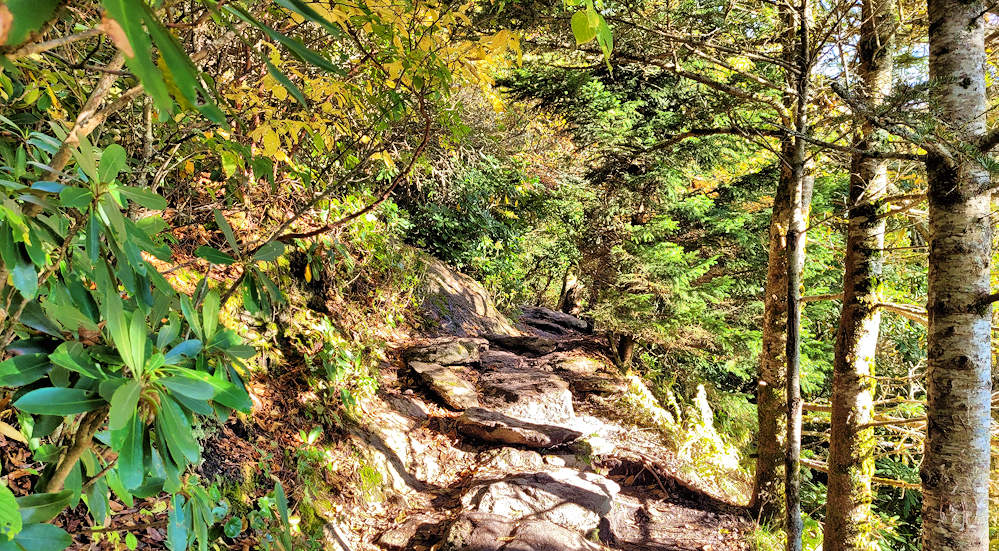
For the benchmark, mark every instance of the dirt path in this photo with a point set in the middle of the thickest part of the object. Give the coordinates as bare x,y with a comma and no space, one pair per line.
517,442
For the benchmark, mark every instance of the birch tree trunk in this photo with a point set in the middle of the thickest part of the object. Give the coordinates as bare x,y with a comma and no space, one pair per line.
955,469
848,524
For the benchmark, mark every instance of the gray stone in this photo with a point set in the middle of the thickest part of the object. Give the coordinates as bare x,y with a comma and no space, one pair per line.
448,351
542,314
448,384
527,394
336,537
526,344
565,497
597,384
516,460
410,406
398,538
458,304
473,531
492,426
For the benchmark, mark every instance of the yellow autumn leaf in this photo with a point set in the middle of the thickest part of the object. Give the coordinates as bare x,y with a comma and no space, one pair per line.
270,141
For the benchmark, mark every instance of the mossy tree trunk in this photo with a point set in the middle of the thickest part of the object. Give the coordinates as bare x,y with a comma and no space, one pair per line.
768,491
848,525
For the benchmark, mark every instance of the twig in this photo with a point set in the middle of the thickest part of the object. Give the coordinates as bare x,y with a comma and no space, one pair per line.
41,47
824,468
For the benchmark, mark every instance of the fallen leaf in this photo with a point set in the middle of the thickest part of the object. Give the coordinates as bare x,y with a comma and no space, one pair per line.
12,433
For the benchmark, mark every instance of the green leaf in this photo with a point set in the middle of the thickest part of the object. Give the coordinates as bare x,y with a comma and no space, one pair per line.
286,82
137,336
144,197
74,357
306,11
177,525
223,225
214,255
26,17
210,314
10,517
191,315
25,280
124,402
131,542
117,326
581,28
186,349
36,508
58,401
131,467
296,47
114,482
192,388
604,37
75,197
24,369
130,15
43,537
175,428
112,161
229,166
269,252
282,503
233,528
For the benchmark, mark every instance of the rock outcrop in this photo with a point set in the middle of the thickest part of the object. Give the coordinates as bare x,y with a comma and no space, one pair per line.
475,531
459,305
449,383
490,426
565,497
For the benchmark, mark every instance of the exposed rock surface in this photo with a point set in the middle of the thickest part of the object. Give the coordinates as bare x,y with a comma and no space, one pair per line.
525,394
448,351
475,480
492,426
449,383
566,497
526,344
474,531
546,317
459,305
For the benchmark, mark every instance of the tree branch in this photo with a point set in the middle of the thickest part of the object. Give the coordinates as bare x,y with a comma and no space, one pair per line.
910,311
41,47
824,468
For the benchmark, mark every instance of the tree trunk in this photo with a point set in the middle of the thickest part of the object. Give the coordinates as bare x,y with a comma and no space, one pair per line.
785,263
848,524
768,491
955,469
625,350
801,198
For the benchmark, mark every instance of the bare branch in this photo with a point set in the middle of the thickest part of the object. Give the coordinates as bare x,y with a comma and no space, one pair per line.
41,47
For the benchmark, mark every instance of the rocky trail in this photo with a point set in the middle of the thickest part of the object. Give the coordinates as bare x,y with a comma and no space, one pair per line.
517,441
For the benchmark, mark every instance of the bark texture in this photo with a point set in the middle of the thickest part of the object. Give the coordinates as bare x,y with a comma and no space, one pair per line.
848,525
955,469
799,49
771,405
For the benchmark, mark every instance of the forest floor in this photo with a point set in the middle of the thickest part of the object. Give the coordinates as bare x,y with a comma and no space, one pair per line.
523,442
